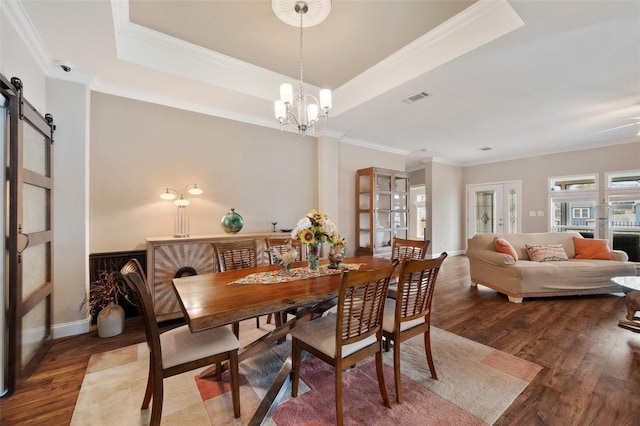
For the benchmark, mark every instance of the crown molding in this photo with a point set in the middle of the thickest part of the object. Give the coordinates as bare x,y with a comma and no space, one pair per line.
26,31
482,22
364,144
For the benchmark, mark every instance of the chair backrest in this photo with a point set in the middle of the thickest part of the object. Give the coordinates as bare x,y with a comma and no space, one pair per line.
409,249
134,266
415,288
281,245
236,254
131,272
361,304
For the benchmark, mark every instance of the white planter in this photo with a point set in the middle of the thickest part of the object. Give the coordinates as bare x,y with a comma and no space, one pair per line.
110,320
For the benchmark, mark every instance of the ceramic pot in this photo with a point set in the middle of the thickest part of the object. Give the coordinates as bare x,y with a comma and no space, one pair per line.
110,320
232,222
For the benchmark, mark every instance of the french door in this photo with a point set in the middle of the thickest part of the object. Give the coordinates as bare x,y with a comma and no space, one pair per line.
494,208
28,228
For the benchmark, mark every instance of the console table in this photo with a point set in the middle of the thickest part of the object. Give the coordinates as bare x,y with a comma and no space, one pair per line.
172,257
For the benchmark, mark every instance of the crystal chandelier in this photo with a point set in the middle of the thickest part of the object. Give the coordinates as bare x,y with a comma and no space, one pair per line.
301,110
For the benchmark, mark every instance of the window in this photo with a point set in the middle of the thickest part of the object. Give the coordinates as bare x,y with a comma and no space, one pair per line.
581,213
622,212
573,201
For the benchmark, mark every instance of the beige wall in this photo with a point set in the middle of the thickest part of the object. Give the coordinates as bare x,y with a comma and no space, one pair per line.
535,171
138,149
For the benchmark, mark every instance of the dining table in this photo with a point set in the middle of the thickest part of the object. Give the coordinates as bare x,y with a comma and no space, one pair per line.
222,298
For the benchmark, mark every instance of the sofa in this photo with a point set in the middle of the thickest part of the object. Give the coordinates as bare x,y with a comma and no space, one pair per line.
526,278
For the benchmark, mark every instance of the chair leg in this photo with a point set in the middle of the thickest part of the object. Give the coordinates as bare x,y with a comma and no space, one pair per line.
235,327
235,382
339,418
218,371
149,392
156,406
427,348
396,372
295,368
269,318
381,384
257,322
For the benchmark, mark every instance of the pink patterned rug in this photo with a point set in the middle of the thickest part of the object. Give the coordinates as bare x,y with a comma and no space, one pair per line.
476,385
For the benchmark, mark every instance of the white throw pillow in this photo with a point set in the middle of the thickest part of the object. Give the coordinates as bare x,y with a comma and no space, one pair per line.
546,252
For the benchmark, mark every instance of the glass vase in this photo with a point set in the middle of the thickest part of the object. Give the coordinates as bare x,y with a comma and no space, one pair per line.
313,257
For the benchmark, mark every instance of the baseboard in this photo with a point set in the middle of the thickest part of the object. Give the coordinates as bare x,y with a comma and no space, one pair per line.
71,328
450,253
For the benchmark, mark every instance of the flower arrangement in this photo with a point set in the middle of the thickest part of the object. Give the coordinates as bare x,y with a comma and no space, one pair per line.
316,228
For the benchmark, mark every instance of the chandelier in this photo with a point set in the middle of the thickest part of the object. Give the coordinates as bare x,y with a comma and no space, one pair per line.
301,110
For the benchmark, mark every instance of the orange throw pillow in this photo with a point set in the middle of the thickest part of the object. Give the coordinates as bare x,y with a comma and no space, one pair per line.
587,248
503,246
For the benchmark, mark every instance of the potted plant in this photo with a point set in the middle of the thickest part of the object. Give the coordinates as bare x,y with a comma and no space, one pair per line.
104,295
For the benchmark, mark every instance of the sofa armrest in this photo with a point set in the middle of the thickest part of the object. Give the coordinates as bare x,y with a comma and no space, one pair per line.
619,255
491,257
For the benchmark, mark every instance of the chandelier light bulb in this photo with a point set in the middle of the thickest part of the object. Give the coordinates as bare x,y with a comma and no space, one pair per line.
195,190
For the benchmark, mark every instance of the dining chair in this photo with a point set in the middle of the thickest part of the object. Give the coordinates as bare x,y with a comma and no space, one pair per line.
410,313
236,255
178,350
351,335
405,249
281,245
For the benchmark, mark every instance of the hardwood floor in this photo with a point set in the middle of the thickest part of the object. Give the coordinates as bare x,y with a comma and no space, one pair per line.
591,367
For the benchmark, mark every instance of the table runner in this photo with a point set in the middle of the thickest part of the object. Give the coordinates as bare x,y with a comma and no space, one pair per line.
272,277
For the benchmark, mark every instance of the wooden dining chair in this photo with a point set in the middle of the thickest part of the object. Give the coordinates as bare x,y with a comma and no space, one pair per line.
410,313
281,245
178,350
405,249
351,335
236,255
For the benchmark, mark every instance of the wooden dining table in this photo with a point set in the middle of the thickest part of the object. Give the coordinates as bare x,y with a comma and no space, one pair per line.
215,299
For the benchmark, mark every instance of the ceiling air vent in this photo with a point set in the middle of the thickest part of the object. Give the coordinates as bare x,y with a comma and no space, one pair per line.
416,97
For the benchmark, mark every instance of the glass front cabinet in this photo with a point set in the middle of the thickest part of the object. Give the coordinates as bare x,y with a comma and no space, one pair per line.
382,209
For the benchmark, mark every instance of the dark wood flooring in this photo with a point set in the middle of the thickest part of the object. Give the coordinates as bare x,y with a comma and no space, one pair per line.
590,376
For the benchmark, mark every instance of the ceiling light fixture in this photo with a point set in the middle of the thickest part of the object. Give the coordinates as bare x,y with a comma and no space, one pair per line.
300,110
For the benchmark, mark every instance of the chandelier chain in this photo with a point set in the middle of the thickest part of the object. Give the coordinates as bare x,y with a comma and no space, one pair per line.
301,55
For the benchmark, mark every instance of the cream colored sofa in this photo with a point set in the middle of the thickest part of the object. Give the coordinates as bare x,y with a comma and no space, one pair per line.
526,278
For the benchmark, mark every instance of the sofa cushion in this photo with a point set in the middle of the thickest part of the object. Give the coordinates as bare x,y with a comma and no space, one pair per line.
592,249
503,246
546,252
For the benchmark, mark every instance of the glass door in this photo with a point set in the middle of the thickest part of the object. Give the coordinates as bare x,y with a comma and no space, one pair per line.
493,208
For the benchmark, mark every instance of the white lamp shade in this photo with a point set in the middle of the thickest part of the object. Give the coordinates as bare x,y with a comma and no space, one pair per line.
325,99
312,112
286,93
168,195
280,109
181,202
195,191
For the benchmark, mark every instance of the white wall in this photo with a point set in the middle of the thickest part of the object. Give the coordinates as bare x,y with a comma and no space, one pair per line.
68,102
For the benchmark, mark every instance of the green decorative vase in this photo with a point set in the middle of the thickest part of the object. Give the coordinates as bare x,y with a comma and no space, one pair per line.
232,222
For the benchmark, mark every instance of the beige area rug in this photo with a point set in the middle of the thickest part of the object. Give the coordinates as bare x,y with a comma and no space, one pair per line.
476,385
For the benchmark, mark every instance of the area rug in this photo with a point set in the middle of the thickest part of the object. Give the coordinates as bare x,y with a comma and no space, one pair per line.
476,385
